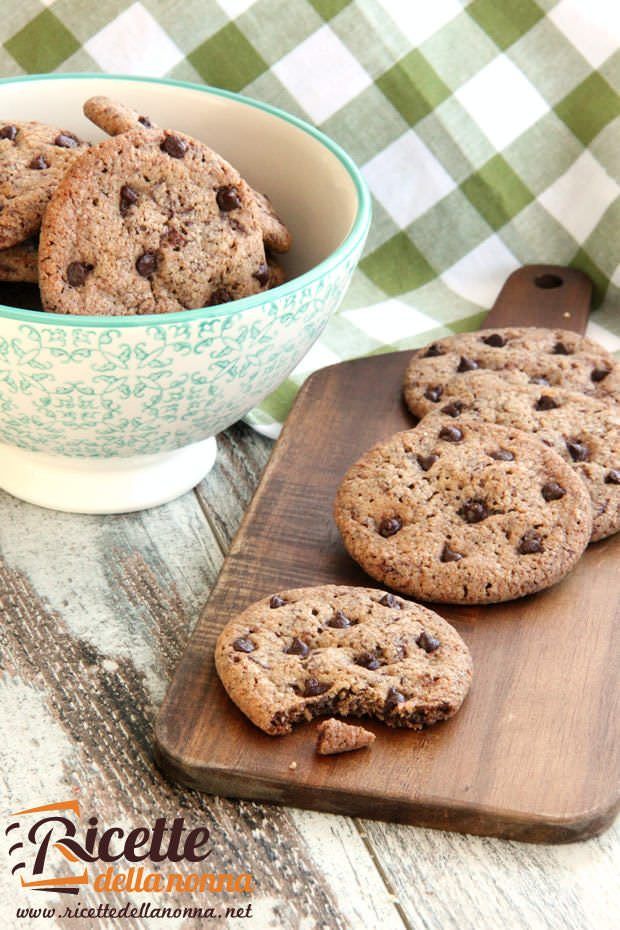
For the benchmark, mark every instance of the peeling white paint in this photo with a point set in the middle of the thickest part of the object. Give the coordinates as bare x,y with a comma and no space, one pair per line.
352,875
73,564
34,751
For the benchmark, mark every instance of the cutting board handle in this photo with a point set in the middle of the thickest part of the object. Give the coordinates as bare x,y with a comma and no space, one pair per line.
543,295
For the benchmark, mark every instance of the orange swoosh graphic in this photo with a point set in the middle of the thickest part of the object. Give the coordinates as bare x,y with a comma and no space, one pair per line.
58,806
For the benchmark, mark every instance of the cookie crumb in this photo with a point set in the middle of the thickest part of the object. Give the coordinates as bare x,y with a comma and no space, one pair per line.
292,766
334,736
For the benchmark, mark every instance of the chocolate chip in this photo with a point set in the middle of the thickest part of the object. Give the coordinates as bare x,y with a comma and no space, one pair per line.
243,644
578,451
428,642
313,687
599,374
433,393
220,296
146,265
453,409
545,402
389,526
449,555
174,146
502,455
276,601
262,274
128,198
145,121
427,461
451,433
38,163
228,198
393,699
298,648
613,476
467,364
433,351
552,491
530,543
65,140
8,132
388,600
495,340
473,511
77,273
368,660
339,621
540,380
560,349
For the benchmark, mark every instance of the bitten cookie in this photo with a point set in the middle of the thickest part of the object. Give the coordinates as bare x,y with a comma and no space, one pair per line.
150,222
554,357
115,118
335,736
584,431
20,262
33,160
459,512
329,650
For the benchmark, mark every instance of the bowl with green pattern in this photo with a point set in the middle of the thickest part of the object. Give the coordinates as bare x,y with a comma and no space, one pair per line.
111,414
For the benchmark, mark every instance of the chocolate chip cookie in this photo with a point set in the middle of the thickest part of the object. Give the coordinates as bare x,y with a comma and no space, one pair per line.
584,431
554,357
20,262
33,160
115,118
460,512
329,650
150,222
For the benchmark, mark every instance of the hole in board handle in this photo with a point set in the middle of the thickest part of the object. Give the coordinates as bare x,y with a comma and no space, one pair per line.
547,281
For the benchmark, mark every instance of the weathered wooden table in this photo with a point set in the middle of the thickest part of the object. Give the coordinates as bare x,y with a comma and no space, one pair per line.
94,614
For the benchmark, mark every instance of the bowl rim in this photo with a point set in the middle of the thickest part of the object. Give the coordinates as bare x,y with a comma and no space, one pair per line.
354,238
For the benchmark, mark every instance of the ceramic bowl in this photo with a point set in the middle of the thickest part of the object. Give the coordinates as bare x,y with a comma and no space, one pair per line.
104,415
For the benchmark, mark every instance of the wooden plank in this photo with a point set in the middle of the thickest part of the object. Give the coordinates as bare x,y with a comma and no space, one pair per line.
94,612
454,882
500,766
227,490
543,295
446,881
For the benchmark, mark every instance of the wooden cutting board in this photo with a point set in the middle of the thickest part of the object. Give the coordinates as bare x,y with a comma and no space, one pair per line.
533,753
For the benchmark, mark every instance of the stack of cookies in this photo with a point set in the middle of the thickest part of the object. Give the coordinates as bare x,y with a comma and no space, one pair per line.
33,160
512,470
147,221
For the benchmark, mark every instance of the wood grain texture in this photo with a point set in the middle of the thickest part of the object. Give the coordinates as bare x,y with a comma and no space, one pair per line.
439,881
94,613
523,759
543,295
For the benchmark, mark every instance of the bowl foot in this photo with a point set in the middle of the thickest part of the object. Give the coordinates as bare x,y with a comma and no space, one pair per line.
104,485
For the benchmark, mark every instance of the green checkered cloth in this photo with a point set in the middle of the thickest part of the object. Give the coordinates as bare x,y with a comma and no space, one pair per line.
487,132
